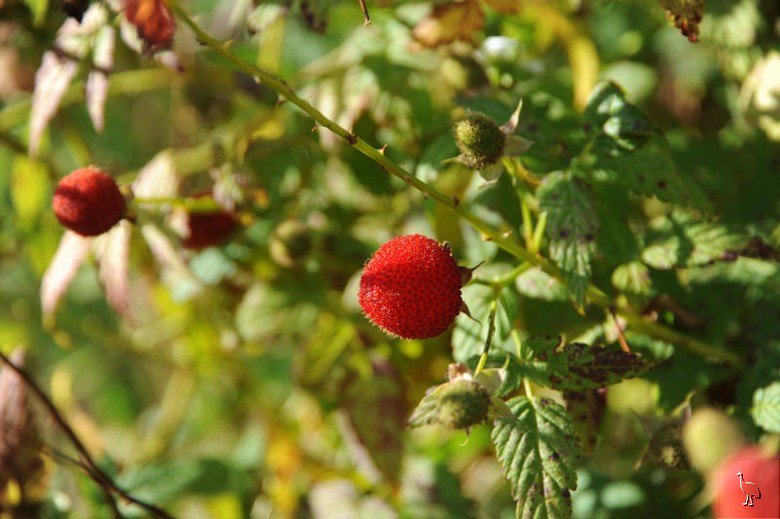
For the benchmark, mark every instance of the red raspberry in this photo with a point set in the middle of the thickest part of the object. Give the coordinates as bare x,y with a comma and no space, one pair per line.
411,288
208,228
88,202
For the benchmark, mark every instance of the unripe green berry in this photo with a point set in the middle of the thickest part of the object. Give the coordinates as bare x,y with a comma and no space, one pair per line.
709,436
480,140
462,404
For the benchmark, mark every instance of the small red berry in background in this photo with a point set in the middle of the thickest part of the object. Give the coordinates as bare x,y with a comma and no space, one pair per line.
208,228
748,485
411,288
153,20
88,201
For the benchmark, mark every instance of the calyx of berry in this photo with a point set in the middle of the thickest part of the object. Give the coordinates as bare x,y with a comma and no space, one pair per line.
480,140
463,403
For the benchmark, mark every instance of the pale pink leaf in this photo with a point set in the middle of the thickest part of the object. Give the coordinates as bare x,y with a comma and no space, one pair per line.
97,81
51,83
72,250
112,251
158,178
174,271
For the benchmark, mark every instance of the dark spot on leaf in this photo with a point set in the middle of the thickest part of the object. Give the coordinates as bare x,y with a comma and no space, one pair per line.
544,402
555,456
563,233
662,184
555,379
566,493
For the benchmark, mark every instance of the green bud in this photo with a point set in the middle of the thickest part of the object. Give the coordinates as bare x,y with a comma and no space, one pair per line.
462,404
480,140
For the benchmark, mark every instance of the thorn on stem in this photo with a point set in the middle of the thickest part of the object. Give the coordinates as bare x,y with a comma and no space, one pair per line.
383,149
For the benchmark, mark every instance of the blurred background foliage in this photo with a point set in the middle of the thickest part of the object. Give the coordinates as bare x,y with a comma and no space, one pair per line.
246,383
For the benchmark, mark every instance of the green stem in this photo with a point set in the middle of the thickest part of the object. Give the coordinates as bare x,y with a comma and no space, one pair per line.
503,241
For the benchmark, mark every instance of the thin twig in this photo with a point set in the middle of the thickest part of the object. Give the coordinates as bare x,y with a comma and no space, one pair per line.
87,462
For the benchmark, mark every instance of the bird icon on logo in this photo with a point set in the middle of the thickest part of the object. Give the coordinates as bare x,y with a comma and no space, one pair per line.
750,490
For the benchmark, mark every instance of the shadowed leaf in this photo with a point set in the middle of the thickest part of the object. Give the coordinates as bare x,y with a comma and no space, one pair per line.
587,410
572,224
376,406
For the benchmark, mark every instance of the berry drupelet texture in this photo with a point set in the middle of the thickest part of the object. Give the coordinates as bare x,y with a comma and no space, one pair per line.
88,202
410,288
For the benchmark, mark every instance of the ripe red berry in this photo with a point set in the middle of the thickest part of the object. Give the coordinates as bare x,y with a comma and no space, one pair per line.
208,228
88,202
411,288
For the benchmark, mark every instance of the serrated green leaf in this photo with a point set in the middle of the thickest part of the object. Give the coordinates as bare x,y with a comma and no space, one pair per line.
539,453
766,407
632,278
680,240
572,224
631,152
617,126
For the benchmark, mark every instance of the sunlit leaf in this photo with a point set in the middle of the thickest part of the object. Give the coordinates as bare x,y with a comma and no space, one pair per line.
680,240
537,284
766,407
450,22
632,278
539,454
572,224
30,191
71,252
